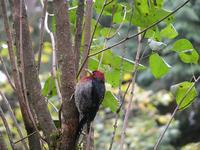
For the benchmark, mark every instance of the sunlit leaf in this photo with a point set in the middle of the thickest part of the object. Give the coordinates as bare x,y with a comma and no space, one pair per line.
110,101
180,90
53,24
169,32
49,88
186,51
114,61
158,66
146,18
47,48
45,58
4,52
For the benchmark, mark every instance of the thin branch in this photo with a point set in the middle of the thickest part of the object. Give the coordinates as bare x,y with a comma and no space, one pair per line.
54,59
22,139
139,48
106,39
120,83
87,33
7,74
42,33
91,39
143,31
54,107
78,34
121,24
173,114
14,119
8,131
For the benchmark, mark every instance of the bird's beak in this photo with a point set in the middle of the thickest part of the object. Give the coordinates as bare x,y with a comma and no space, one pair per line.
88,71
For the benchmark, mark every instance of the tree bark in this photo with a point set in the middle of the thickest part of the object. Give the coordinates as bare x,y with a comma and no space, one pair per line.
78,34
32,83
66,61
34,142
87,34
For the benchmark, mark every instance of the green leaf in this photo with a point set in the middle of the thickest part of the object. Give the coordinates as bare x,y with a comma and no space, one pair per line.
142,6
169,32
181,45
111,67
4,52
3,49
181,90
186,52
159,3
145,19
107,32
158,66
110,101
112,76
53,24
93,64
49,88
111,64
114,61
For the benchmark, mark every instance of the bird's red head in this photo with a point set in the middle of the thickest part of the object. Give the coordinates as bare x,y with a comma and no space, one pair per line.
98,74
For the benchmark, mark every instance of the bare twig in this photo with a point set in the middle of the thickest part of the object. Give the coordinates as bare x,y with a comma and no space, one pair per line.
173,114
120,83
54,59
22,139
139,48
7,74
14,119
8,131
42,34
143,31
54,107
120,26
106,39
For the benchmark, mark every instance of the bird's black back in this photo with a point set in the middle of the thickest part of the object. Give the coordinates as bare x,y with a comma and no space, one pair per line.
98,92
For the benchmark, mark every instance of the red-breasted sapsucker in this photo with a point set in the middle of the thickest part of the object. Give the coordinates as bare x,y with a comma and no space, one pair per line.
89,94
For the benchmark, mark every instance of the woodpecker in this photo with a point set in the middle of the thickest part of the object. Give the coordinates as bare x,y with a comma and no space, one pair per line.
89,94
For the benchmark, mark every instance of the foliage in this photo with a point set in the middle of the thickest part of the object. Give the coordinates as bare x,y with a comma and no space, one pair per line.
164,46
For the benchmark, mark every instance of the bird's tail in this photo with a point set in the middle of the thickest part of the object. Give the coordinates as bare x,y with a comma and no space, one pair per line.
80,127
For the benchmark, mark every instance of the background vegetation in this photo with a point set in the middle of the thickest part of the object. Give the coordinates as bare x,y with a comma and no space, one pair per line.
166,67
